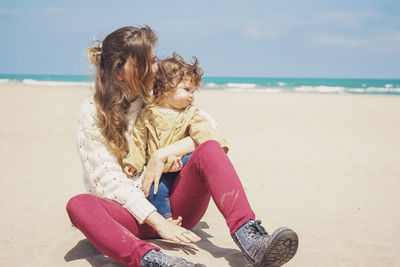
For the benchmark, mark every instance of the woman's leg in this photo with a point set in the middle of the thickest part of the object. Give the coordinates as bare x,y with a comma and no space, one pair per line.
110,228
209,172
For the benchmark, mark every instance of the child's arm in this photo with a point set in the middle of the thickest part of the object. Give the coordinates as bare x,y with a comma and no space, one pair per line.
158,159
201,130
135,160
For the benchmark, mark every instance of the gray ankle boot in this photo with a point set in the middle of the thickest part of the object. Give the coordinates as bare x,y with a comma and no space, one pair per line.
155,258
261,249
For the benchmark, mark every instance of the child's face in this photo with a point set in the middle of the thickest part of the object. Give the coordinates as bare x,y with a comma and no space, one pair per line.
183,95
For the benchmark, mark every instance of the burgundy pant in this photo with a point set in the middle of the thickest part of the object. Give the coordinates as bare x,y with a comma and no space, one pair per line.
115,232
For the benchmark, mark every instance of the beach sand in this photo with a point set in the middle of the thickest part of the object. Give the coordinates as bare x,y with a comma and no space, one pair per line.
325,165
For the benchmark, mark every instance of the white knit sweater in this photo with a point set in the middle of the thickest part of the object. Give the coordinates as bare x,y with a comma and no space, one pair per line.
103,175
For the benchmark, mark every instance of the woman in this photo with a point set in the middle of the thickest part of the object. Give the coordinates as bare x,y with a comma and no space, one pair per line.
116,216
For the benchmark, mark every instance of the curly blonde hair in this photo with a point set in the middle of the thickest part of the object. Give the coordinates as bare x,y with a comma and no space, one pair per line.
112,96
171,72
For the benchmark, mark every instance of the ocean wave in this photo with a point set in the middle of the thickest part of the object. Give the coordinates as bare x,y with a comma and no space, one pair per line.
356,90
319,89
382,90
241,85
318,86
257,90
57,83
211,85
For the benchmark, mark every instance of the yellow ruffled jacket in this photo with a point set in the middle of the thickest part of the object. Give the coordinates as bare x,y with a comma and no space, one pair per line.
158,127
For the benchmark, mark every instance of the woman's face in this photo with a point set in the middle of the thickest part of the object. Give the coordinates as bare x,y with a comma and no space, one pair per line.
154,68
154,63
128,69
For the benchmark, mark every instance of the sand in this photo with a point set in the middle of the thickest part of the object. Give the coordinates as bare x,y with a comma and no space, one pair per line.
327,166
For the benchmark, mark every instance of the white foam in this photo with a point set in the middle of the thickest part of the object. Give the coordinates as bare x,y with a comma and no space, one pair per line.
241,85
356,90
281,83
211,85
319,89
54,83
4,80
258,90
388,85
383,90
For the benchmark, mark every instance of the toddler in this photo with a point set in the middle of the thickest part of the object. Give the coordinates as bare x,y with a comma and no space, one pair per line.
169,118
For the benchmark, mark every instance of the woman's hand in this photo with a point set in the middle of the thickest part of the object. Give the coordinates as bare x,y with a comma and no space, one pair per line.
170,231
153,172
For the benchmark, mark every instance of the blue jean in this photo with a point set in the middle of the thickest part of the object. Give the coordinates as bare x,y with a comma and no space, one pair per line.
161,199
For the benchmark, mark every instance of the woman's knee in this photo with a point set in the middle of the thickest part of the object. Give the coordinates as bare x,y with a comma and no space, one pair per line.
209,151
209,146
77,203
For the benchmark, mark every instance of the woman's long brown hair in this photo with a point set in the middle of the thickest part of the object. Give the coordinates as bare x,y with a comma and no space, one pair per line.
113,96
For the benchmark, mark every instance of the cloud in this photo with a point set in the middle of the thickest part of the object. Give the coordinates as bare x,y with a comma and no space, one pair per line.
252,32
350,23
345,19
389,40
334,40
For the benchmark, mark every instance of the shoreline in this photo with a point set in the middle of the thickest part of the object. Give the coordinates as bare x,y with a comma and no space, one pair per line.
249,84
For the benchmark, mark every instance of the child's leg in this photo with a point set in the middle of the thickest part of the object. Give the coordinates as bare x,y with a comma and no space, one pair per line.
186,158
161,199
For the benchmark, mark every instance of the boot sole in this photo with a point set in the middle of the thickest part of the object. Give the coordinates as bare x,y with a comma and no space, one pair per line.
282,248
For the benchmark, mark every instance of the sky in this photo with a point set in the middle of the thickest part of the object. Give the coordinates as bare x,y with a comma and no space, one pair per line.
235,38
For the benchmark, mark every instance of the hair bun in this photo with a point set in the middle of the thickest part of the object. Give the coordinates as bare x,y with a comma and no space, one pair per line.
94,54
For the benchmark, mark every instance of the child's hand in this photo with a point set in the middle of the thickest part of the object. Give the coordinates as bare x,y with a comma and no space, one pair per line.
177,221
176,166
129,170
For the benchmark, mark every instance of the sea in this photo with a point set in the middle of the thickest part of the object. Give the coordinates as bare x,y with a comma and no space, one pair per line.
243,84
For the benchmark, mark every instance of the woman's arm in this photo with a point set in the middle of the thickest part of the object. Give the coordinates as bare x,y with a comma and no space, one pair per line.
157,161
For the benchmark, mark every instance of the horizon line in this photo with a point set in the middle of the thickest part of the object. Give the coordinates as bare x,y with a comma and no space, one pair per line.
214,76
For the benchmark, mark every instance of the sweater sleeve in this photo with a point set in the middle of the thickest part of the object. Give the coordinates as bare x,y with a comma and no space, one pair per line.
103,175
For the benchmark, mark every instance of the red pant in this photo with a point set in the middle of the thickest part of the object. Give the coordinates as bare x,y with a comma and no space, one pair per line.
209,172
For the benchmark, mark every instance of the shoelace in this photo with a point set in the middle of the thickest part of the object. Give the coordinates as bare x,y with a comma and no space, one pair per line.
257,228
